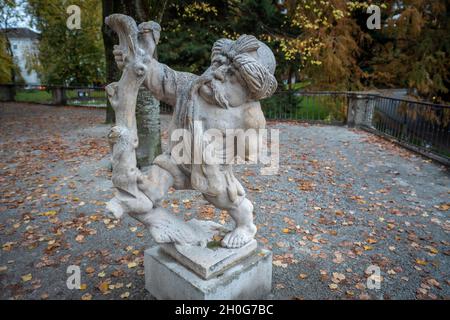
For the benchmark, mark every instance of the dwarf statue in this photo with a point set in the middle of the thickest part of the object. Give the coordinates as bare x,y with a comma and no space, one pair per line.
226,96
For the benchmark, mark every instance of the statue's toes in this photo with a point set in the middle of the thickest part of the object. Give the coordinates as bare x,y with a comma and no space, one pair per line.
237,238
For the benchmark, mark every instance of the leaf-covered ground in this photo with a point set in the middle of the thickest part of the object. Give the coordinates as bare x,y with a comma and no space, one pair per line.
343,200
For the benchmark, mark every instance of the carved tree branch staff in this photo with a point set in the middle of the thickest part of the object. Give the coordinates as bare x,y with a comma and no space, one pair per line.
224,97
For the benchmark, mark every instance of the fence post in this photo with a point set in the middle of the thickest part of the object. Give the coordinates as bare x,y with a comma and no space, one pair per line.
360,109
7,92
59,96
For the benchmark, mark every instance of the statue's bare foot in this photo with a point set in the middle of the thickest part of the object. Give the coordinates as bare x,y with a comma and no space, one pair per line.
179,236
166,228
239,237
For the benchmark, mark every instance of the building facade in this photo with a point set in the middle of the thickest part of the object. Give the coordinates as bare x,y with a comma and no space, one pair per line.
24,43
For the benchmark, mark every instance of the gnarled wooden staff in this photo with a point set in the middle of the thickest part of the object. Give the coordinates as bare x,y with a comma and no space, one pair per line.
123,137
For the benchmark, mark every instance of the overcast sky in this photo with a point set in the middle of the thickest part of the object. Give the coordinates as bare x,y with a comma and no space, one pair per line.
21,20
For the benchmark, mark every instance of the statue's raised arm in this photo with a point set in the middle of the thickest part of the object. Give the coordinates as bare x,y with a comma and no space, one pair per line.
160,80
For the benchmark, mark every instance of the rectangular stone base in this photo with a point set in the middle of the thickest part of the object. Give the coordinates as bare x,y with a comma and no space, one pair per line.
250,279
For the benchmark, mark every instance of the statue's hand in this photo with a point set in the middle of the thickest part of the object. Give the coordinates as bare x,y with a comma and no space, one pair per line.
119,56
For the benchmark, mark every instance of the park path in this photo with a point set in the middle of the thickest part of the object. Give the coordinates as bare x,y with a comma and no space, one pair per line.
343,200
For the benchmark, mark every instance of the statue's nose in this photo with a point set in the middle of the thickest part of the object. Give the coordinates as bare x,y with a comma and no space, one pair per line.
218,74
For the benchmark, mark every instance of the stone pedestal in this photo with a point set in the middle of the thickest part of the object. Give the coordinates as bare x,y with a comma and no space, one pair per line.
208,272
248,279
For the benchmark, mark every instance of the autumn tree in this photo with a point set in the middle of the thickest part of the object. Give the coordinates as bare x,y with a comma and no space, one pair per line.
8,16
414,48
69,56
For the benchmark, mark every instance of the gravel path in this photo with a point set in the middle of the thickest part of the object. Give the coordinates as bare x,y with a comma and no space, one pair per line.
343,200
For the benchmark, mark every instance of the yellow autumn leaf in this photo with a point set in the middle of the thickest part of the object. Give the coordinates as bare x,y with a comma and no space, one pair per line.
103,287
83,286
27,277
49,213
285,230
371,240
367,248
421,262
125,295
132,265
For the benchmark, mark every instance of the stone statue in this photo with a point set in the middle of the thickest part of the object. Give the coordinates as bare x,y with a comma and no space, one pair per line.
224,97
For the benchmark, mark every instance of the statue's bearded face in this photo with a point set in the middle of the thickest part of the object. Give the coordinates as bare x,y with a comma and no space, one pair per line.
223,84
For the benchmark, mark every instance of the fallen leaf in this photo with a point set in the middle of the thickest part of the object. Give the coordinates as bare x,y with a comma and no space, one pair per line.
27,277
103,287
86,296
421,262
90,270
49,213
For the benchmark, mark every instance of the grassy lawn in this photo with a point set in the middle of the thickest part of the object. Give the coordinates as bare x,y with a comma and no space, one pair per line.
38,96
308,107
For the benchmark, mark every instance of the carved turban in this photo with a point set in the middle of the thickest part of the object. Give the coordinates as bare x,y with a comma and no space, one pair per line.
256,72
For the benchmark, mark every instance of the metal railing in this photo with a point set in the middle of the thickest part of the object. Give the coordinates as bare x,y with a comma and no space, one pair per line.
61,95
423,126
57,95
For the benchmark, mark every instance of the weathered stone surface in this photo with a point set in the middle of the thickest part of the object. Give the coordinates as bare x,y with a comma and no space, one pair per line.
360,109
212,259
166,279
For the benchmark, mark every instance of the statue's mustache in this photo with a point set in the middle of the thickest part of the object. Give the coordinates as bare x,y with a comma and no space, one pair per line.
217,92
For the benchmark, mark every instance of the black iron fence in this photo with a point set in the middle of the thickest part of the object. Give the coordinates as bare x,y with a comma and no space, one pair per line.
424,127
420,125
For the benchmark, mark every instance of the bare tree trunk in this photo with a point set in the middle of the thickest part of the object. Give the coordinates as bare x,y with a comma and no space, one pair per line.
112,72
148,127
